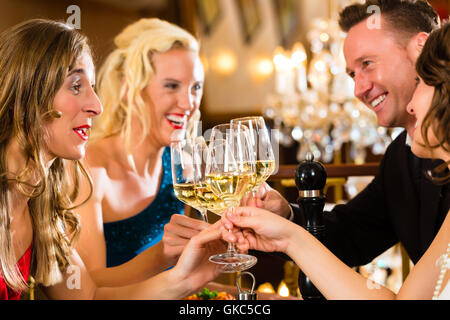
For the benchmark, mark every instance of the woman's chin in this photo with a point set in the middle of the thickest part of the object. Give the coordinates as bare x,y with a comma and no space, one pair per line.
77,154
178,135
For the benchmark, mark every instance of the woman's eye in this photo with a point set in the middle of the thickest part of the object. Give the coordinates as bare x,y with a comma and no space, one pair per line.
76,88
171,86
366,63
197,87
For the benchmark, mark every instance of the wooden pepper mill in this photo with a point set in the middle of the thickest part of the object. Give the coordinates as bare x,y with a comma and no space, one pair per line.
310,179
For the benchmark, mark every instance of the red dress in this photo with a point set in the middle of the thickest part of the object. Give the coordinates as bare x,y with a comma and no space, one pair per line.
24,267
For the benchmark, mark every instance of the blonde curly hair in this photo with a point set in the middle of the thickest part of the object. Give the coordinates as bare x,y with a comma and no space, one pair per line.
128,70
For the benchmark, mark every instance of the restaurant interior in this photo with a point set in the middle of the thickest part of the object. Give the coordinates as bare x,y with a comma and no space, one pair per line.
280,59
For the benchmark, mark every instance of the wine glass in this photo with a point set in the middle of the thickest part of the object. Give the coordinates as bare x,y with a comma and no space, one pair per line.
204,193
230,169
262,148
183,172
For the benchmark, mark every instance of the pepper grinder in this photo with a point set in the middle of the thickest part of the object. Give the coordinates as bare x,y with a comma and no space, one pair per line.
310,179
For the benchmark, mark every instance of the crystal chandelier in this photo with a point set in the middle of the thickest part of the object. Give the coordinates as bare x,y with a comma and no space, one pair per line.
313,103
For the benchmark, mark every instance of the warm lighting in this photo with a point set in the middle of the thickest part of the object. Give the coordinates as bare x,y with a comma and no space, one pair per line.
285,72
261,68
205,63
281,61
266,288
320,66
298,54
283,290
225,62
324,37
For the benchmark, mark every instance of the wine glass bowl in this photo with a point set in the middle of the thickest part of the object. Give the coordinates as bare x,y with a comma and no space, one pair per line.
229,172
204,193
261,146
183,175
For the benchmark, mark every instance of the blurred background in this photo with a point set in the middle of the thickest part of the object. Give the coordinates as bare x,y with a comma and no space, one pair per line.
278,58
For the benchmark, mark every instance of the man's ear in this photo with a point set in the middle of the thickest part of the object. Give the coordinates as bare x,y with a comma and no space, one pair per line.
415,45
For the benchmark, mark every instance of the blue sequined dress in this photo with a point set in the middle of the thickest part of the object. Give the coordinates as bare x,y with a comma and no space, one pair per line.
126,238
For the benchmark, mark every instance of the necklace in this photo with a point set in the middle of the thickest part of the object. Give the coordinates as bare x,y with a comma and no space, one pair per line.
444,266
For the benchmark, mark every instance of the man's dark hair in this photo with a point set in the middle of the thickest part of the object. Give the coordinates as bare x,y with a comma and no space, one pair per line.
405,17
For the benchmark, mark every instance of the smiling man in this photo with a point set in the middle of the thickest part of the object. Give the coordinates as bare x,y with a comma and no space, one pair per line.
401,204
381,58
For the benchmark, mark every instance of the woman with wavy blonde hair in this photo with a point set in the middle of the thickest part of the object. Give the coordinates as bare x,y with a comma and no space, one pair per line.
151,86
47,104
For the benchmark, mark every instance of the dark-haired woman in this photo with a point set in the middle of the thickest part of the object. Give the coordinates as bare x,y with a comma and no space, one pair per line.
262,230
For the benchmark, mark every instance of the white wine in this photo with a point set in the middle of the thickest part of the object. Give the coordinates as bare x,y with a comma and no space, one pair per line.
185,192
209,200
264,168
230,187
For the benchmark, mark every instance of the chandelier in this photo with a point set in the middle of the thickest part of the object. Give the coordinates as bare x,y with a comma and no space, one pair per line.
313,101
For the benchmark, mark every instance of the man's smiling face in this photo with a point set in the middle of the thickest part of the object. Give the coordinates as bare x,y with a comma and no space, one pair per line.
383,72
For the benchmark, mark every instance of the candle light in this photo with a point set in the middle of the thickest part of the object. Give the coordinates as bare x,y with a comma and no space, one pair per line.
266,288
283,290
299,61
284,76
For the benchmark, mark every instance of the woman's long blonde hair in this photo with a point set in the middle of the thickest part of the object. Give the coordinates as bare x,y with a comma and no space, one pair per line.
128,70
35,58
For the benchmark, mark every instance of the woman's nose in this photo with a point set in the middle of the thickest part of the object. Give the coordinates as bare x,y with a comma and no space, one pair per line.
186,102
93,104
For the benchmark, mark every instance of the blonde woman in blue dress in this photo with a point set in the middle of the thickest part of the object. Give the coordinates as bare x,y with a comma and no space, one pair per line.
150,86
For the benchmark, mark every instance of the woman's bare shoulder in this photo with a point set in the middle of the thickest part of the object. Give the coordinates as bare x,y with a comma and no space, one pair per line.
101,152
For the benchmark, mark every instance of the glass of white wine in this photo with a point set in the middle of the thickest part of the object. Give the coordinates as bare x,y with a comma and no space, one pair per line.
182,159
230,169
261,146
204,193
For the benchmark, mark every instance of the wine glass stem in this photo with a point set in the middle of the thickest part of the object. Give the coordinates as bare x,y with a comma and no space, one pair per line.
203,213
231,248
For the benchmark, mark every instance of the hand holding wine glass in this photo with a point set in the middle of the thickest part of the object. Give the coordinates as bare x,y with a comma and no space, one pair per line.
230,170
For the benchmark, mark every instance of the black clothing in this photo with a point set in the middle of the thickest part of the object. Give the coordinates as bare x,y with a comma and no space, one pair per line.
400,205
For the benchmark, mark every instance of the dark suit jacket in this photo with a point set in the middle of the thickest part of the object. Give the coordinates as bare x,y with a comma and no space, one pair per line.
389,210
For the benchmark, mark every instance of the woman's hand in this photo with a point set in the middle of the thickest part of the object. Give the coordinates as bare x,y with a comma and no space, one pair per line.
193,265
177,234
254,228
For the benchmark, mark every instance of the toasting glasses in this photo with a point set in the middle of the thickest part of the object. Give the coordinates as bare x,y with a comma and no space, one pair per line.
204,193
183,175
261,148
230,170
